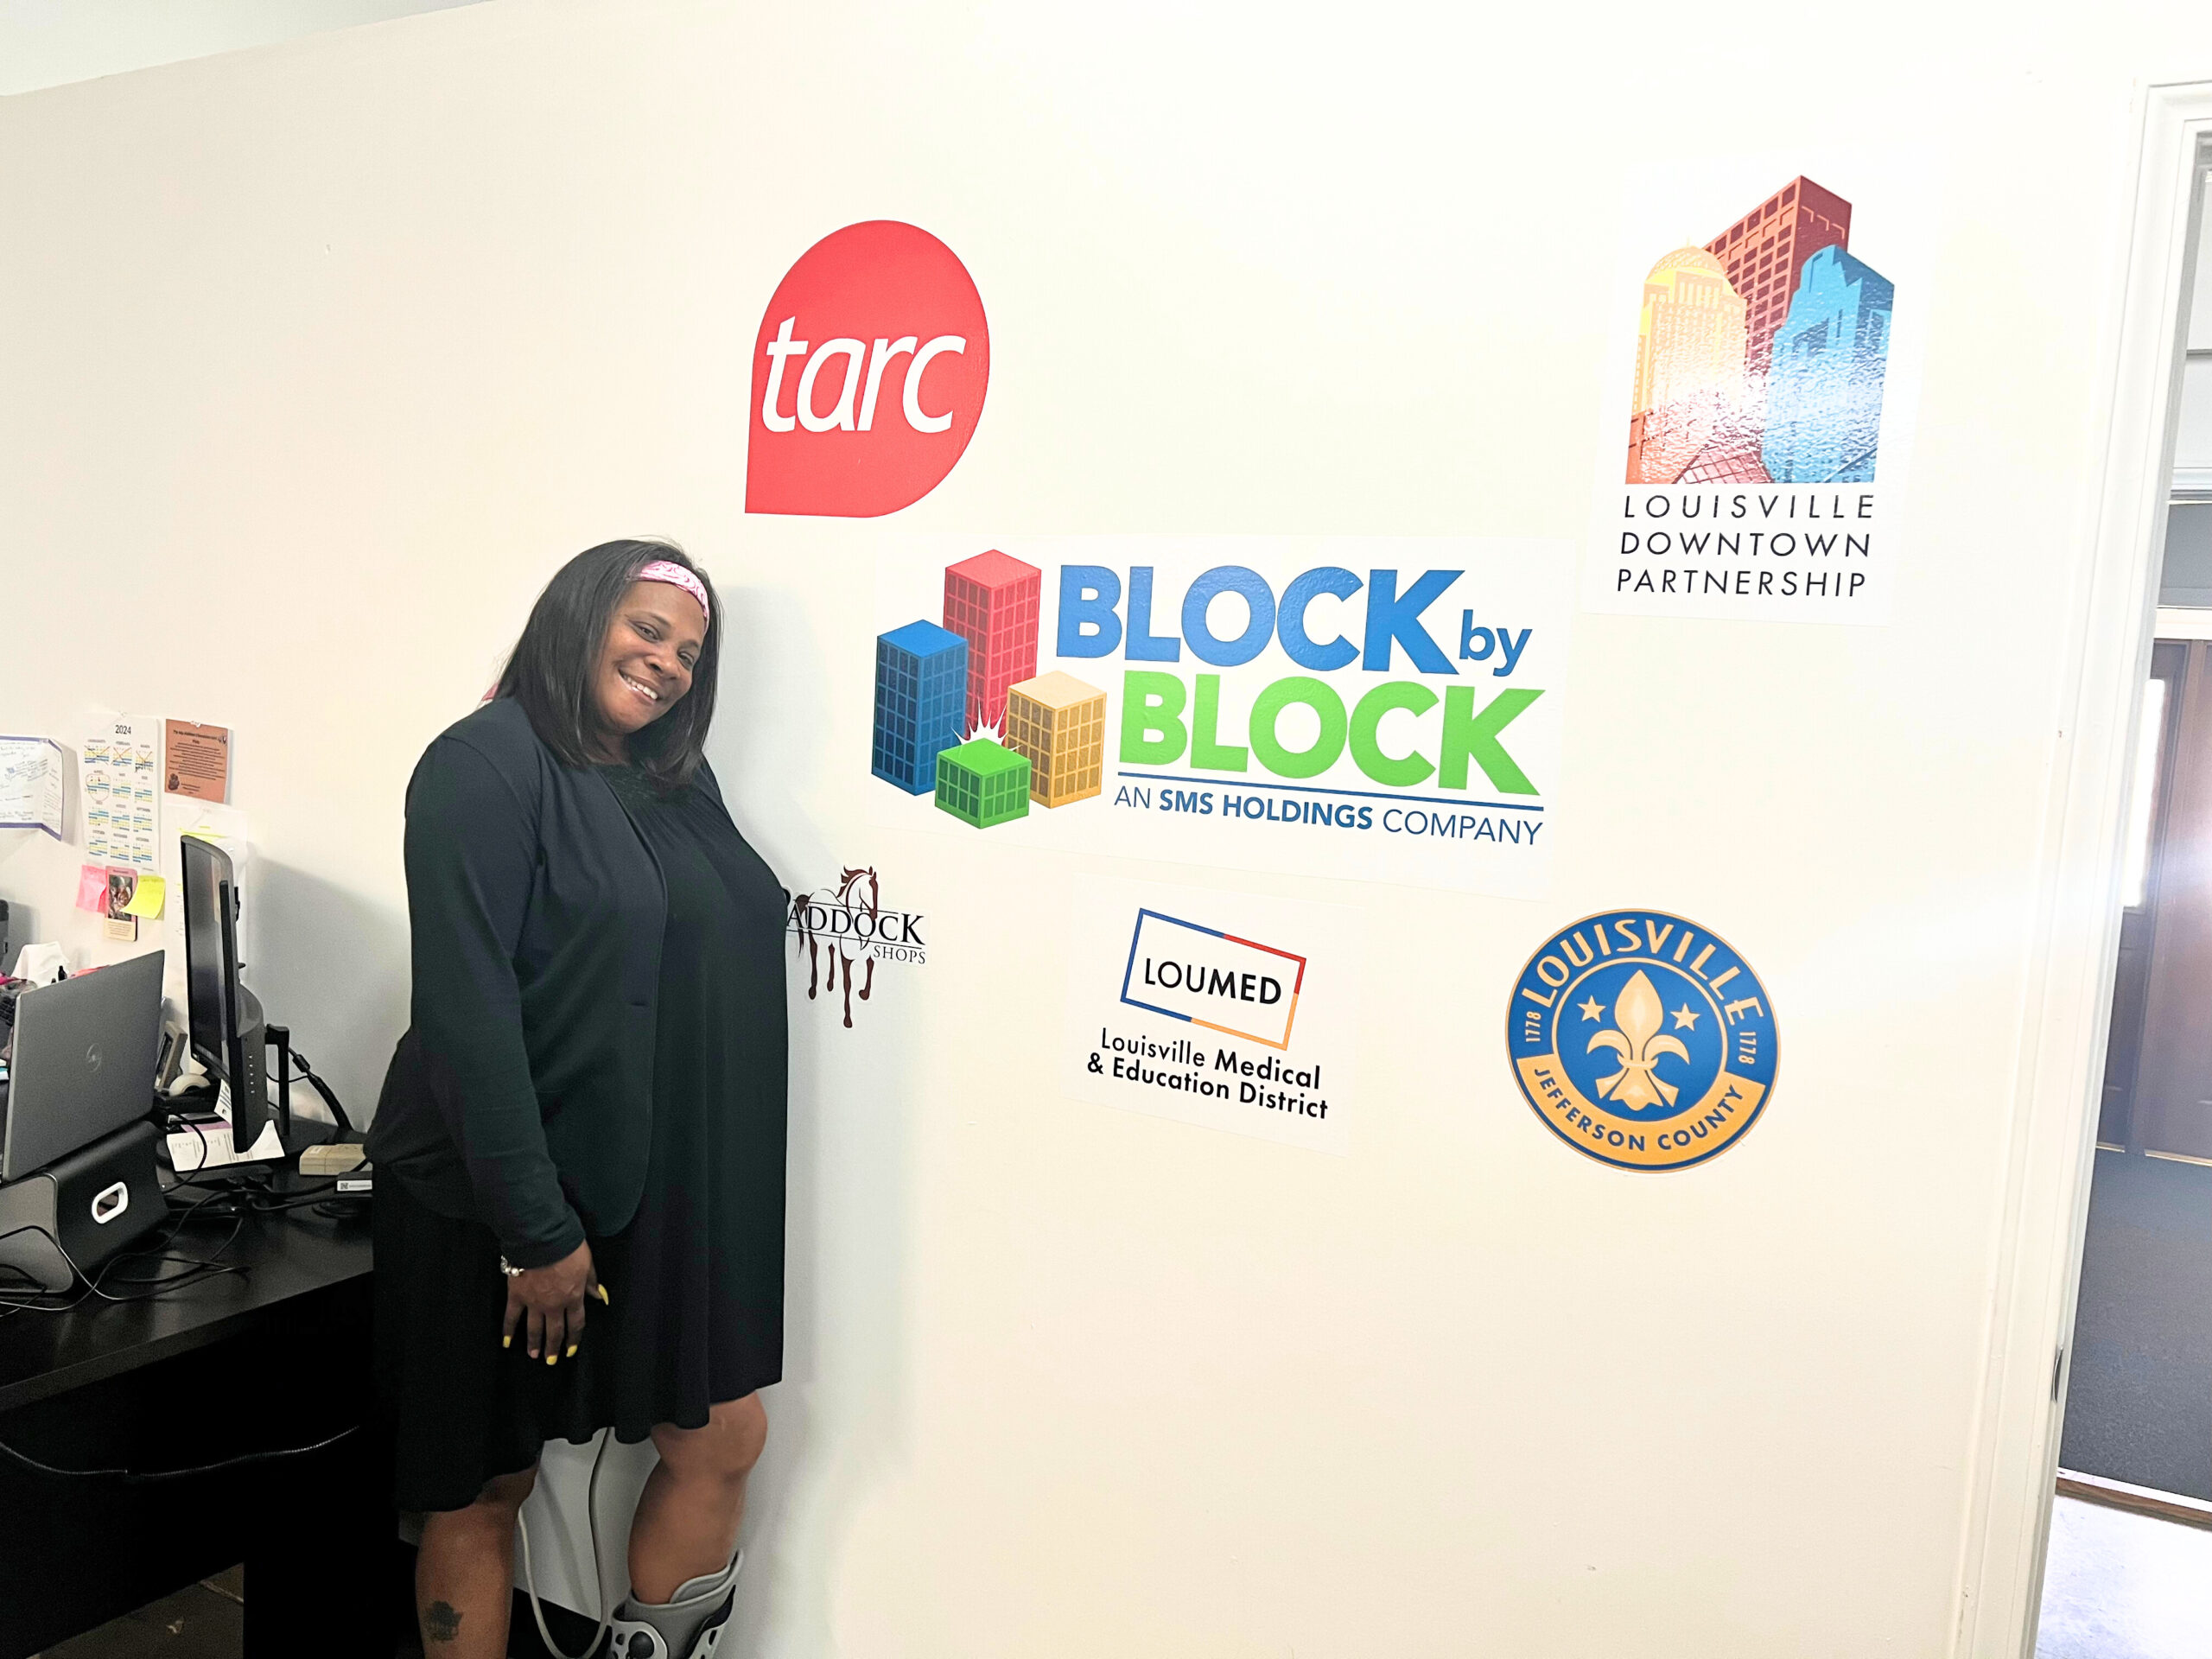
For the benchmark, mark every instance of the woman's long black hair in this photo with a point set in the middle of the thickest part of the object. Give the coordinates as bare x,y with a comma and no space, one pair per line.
553,666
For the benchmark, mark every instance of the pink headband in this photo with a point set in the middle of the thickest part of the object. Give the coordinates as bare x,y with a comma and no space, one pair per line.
676,576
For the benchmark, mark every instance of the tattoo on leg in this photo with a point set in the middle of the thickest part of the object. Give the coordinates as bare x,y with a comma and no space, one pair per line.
441,1621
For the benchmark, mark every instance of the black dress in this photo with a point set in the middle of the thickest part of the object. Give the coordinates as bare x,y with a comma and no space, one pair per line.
695,1278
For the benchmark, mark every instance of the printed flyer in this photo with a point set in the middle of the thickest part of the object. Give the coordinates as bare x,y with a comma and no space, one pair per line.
1760,391
1229,1010
1382,709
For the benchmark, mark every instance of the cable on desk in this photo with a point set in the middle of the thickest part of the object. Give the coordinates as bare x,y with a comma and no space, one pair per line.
138,1478
202,1269
198,1269
329,1095
169,1126
306,1068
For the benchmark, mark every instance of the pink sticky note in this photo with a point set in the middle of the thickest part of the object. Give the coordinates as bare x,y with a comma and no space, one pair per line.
92,888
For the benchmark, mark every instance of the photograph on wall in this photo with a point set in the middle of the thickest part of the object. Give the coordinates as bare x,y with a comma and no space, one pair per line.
1759,390
1382,709
1229,1010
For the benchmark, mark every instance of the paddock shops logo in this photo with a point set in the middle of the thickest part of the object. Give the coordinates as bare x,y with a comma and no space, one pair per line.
845,930
869,375
1226,1010
1761,395
1383,709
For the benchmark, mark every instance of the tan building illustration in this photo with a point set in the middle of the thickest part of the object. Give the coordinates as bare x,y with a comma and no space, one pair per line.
1691,402
1059,723
1690,340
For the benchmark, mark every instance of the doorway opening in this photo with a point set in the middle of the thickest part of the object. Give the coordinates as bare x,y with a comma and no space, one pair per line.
2130,1550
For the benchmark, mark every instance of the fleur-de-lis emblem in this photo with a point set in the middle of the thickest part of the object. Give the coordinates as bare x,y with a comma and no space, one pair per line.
1639,1043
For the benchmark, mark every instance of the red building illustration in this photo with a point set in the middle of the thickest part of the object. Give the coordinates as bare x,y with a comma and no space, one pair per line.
992,601
1764,251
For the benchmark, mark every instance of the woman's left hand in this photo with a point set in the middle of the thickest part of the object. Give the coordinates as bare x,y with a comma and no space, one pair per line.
549,1303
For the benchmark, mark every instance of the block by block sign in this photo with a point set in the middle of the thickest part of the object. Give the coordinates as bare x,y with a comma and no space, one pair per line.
991,601
921,699
983,784
1059,723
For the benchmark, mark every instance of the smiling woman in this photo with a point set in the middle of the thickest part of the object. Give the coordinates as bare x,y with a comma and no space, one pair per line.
623,638
586,1121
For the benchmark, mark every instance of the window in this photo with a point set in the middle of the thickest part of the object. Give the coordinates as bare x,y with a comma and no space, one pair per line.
2185,578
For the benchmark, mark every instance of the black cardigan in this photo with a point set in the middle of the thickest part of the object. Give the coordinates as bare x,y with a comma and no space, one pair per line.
522,1094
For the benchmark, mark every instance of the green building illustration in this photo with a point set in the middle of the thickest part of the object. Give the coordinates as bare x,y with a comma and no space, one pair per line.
983,784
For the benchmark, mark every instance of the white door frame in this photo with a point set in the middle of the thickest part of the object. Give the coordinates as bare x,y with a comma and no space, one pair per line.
2058,1081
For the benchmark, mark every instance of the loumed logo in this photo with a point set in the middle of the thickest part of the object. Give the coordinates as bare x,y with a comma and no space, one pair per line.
869,375
1211,1009
1208,978
1641,1040
847,927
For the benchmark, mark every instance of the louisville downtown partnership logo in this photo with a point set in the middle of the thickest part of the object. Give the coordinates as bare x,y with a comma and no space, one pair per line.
1642,1039
1771,388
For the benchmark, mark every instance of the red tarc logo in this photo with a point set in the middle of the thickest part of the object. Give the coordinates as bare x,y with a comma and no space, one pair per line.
869,375
846,927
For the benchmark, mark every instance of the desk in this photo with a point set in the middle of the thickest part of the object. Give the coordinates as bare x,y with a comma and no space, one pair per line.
275,1356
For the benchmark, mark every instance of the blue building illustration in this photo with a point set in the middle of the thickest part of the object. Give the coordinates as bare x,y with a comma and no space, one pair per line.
921,700
1824,383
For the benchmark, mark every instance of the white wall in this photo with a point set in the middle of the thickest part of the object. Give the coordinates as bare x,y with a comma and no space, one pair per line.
357,338
50,42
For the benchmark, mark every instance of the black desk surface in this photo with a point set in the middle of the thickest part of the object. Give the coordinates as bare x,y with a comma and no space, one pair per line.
284,1256
274,1358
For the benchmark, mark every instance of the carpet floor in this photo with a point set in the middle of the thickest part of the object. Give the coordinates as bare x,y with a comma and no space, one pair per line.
2139,1406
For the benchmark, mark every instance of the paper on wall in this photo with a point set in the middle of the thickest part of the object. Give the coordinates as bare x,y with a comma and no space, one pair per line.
1233,1011
1762,385
30,785
121,779
197,762
1202,700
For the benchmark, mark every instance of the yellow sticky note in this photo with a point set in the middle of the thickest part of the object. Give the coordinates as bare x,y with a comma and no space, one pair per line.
147,901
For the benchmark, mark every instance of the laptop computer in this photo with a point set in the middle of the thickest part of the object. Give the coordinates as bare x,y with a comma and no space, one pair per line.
82,1064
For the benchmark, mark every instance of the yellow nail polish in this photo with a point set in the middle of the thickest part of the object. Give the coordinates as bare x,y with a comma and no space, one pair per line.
604,1297
552,1359
572,1350
506,1342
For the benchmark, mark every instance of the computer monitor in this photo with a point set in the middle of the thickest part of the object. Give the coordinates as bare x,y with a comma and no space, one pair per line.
227,1028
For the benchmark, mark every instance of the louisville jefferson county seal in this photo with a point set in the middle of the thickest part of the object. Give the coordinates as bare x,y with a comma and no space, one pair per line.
1642,1039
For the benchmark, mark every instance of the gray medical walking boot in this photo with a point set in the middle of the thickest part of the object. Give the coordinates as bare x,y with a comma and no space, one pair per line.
687,1626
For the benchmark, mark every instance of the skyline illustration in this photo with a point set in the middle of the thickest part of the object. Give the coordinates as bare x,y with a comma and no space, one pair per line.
1761,354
